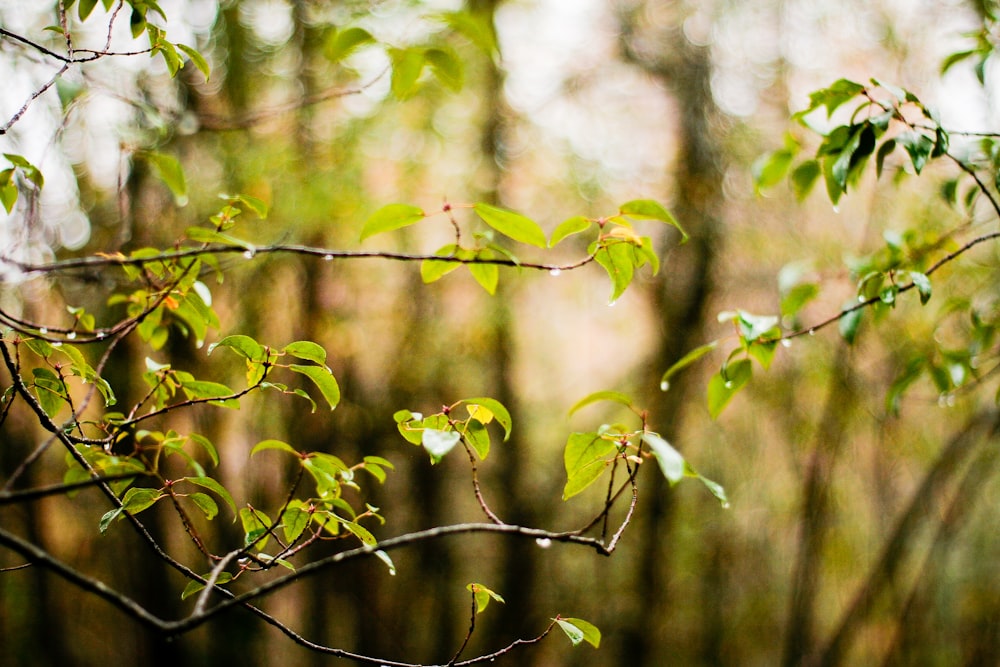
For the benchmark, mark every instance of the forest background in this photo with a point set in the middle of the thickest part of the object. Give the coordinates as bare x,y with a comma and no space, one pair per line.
859,469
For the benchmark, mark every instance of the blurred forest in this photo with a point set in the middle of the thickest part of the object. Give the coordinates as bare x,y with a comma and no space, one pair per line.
857,533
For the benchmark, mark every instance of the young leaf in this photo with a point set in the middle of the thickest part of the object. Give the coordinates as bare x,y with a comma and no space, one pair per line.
579,631
205,504
273,444
804,178
432,270
198,60
618,259
324,381
723,386
168,169
487,275
585,458
513,225
139,499
447,67
245,346
685,361
670,460
255,524
201,389
496,408
195,586
568,227
477,436
214,486
384,557
923,285
482,595
392,216
647,209
343,43
613,396
407,64
308,350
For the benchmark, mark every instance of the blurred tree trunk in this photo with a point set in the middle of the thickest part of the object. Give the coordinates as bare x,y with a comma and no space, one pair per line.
680,298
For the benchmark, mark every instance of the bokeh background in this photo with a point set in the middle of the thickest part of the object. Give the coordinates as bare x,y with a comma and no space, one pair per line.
869,535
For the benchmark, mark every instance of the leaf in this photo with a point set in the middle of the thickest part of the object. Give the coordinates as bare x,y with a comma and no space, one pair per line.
194,586
361,533
487,275
308,350
685,361
438,443
670,460
214,486
324,381
647,209
850,322
245,346
840,92
797,297
432,270
568,227
391,216
168,169
447,67
255,524
205,504
585,458
343,43
496,408
923,285
618,259
407,64
513,225
482,596
139,499
294,521
384,557
198,60
201,389
579,631
770,169
477,436
613,396
50,390
207,445
918,146
724,385
273,444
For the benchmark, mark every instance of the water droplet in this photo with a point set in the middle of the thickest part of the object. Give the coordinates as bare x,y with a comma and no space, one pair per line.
861,298
946,400
43,330
248,254
812,332
611,304
664,385
725,505
101,335
327,258
729,384
56,343
786,342
555,272
71,335
543,542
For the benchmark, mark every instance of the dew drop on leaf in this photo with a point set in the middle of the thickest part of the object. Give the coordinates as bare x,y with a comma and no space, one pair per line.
729,384
664,385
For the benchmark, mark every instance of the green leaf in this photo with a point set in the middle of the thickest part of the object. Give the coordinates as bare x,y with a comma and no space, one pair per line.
308,350
585,458
432,270
477,436
770,169
205,235
568,227
850,322
324,381
487,275
918,146
198,60
294,522
613,396
253,203
923,285
215,487
647,209
618,259
207,445
201,389
205,504
797,297
804,178
496,408
685,361
407,64
447,67
361,533
245,346
839,93
168,169
255,524
723,386
139,499
392,216
579,631
50,390
482,596
670,460
384,557
273,444
513,225
438,442
194,586
343,43
85,7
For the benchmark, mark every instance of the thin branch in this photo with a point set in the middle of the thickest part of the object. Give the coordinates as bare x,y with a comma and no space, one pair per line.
12,497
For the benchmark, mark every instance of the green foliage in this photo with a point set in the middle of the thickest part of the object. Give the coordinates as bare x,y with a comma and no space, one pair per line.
579,630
